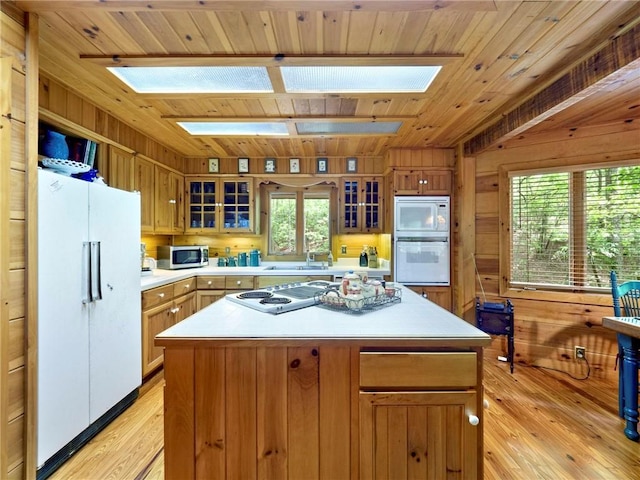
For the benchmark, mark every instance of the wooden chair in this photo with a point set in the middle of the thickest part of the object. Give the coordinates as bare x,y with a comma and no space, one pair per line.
626,303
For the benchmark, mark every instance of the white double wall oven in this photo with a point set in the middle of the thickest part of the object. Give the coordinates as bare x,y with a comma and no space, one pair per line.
422,240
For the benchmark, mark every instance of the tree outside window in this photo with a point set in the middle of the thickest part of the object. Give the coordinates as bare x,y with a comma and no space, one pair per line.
570,229
299,220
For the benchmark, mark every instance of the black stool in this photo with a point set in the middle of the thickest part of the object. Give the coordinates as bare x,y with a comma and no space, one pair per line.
497,319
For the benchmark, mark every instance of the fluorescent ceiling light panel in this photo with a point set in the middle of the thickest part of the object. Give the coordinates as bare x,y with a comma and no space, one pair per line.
195,79
235,128
334,128
358,79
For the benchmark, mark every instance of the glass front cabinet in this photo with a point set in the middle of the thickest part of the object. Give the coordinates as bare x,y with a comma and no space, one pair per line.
361,205
219,205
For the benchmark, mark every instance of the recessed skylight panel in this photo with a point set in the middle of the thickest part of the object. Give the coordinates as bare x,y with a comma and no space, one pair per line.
335,128
358,79
235,128
195,79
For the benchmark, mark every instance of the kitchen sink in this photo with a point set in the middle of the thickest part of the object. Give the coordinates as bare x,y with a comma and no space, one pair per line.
297,267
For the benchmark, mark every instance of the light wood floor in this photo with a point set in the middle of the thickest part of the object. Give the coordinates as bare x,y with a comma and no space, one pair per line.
540,424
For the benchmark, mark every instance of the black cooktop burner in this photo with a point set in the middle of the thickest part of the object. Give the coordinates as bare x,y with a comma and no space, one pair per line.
275,300
256,294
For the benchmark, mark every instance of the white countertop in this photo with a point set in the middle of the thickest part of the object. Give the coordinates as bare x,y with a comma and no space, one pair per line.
414,318
162,277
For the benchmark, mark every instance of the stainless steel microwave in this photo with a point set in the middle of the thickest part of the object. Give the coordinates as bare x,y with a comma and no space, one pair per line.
174,257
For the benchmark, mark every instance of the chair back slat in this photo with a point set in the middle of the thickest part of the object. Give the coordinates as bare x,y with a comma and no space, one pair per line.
626,297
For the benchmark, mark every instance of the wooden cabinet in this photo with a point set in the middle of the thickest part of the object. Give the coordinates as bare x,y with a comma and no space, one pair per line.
422,182
417,415
163,307
169,202
361,205
144,182
219,205
438,295
211,288
239,282
119,169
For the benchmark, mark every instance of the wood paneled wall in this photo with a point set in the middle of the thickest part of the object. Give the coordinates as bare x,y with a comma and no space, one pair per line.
308,166
547,326
12,247
441,158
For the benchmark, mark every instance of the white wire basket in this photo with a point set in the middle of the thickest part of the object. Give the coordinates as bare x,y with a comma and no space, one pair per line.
331,300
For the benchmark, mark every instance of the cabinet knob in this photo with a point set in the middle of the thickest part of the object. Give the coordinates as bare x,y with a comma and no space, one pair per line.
161,295
175,310
209,282
473,420
239,282
172,201
186,286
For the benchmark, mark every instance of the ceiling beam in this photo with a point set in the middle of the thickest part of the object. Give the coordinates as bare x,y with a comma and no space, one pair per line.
279,5
617,61
279,60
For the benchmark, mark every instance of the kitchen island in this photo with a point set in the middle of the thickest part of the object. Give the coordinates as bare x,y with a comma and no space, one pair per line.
317,393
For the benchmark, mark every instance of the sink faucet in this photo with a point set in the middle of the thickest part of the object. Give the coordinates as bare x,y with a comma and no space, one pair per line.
311,257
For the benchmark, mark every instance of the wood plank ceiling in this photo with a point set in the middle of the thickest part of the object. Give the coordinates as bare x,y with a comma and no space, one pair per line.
507,52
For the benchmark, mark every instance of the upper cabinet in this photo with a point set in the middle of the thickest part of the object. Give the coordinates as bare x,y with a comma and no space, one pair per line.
361,205
144,182
119,169
422,182
169,202
219,205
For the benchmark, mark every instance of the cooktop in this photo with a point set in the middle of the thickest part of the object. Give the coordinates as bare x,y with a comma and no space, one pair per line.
283,298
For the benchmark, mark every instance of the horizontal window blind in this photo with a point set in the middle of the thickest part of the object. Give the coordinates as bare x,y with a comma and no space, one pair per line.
570,229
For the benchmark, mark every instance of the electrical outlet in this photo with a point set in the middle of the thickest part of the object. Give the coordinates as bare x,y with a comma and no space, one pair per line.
580,352
343,249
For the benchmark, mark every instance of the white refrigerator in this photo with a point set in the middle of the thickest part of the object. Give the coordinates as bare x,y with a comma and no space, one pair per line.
89,331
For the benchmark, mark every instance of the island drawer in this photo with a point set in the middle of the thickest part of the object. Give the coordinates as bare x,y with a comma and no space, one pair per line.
185,286
396,370
239,282
211,282
157,296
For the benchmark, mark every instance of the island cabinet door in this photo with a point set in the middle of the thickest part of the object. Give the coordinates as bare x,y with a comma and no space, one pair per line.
421,435
259,413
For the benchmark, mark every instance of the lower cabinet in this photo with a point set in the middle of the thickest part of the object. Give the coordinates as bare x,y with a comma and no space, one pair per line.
417,415
163,307
417,435
438,295
211,288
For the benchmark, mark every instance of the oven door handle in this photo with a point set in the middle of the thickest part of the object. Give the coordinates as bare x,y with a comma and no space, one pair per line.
423,240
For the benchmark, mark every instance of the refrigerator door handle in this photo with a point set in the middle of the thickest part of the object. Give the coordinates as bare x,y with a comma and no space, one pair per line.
86,269
96,281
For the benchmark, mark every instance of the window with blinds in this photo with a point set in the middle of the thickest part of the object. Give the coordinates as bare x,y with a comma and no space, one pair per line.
570,229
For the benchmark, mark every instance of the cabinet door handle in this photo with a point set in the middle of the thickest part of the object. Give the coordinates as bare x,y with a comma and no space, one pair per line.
187,285
239,282
161,295
175,310
209,282
474,420
172,201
